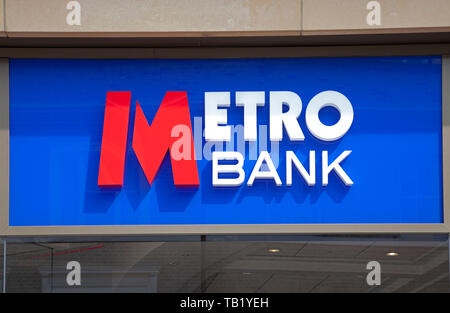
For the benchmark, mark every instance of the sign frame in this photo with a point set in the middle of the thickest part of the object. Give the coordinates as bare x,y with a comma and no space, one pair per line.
145,230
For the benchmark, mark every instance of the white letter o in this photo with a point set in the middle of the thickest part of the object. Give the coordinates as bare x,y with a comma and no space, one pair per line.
340,103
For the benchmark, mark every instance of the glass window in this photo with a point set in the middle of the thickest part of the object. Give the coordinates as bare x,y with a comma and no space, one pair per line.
1,265
328,264
103,266
254,264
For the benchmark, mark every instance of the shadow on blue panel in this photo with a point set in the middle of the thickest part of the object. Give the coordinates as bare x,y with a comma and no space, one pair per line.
96,199
169,197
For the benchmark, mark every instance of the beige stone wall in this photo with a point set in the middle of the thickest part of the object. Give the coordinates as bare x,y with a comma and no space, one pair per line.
396,16
2,20
156,17
200,18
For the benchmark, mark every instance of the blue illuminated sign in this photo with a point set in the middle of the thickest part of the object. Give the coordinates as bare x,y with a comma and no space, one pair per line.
387,148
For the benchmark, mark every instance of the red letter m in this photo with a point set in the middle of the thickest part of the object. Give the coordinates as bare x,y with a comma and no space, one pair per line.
150,143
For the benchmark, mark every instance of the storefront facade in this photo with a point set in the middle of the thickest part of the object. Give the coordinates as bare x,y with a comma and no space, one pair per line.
159,167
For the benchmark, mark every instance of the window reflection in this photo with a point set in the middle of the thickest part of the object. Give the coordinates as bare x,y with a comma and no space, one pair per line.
254,264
